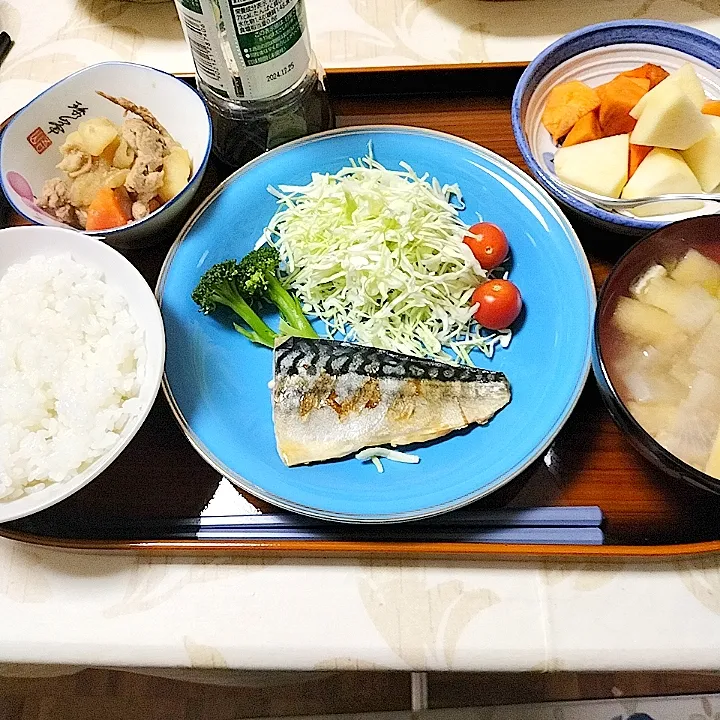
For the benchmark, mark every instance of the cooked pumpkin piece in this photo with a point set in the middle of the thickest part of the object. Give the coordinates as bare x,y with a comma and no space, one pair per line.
587,128
637,154
711,107
617,99
566,104
654,73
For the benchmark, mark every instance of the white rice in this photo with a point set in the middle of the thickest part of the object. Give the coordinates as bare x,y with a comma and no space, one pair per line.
72,360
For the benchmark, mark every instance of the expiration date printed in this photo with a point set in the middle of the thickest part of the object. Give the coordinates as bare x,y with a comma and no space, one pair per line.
279,73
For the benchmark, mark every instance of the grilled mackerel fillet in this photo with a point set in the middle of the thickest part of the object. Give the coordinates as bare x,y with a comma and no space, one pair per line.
333,398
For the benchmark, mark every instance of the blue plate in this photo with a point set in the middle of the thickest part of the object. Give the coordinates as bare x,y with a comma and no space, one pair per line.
217,381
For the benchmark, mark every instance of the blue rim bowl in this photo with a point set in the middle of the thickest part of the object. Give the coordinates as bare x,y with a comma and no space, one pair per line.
161,92
675,42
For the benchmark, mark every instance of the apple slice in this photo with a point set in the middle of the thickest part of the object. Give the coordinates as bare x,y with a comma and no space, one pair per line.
685,79
703,158
670,120
600,166
662,171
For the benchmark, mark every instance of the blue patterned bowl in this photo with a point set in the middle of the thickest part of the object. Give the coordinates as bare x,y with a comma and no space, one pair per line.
595,55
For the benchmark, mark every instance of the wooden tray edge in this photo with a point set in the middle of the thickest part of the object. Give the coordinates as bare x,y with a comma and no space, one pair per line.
433,67
386,550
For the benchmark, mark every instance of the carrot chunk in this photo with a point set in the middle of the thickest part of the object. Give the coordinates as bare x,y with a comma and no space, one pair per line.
566,104
587,128
110,208
617,99
711,107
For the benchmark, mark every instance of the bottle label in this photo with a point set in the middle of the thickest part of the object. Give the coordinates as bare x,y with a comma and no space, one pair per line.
202,37
247,49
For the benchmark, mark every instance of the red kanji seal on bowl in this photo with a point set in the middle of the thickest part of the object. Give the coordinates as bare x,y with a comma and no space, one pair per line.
39,140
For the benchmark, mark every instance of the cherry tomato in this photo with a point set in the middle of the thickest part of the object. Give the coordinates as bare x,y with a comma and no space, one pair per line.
499,304
490,246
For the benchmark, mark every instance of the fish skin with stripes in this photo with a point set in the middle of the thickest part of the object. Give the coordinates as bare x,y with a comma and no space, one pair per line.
333,398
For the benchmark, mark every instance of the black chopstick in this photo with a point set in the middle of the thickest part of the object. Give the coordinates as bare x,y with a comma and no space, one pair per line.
5,44
581,516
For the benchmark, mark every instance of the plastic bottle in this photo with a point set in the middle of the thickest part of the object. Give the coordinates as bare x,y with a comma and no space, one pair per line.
257,72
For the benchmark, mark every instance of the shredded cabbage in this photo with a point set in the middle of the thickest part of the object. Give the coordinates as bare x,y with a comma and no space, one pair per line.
378,256
375,453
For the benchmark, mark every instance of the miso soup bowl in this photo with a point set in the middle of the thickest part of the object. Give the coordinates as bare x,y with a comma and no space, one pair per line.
669,243
29,147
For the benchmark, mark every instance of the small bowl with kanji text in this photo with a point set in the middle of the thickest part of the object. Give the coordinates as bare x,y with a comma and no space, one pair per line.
116,150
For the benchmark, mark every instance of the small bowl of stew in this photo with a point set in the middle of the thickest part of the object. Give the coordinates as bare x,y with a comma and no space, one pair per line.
116,150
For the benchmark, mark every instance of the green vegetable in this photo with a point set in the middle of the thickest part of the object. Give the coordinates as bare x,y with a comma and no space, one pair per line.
219,286
237,284
257,279
379,256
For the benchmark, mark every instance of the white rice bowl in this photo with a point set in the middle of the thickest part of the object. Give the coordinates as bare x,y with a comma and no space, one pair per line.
72,359
81,358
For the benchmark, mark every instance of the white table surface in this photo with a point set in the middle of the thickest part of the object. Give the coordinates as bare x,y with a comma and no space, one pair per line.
56,37
95,609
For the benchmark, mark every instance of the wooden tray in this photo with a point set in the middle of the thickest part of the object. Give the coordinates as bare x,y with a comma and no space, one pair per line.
160,477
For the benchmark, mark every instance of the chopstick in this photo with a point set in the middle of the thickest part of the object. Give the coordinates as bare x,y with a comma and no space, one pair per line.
505,536
586,516
535,526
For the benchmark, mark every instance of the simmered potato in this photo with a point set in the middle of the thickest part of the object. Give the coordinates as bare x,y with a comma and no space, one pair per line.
96,134
73,141
84,187
108,153
116,178
124,156
177,173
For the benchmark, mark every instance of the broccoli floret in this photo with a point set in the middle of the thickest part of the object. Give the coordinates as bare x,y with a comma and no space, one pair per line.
257,278
219,286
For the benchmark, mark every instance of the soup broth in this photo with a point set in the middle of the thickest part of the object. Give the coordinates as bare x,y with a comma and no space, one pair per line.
665,357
